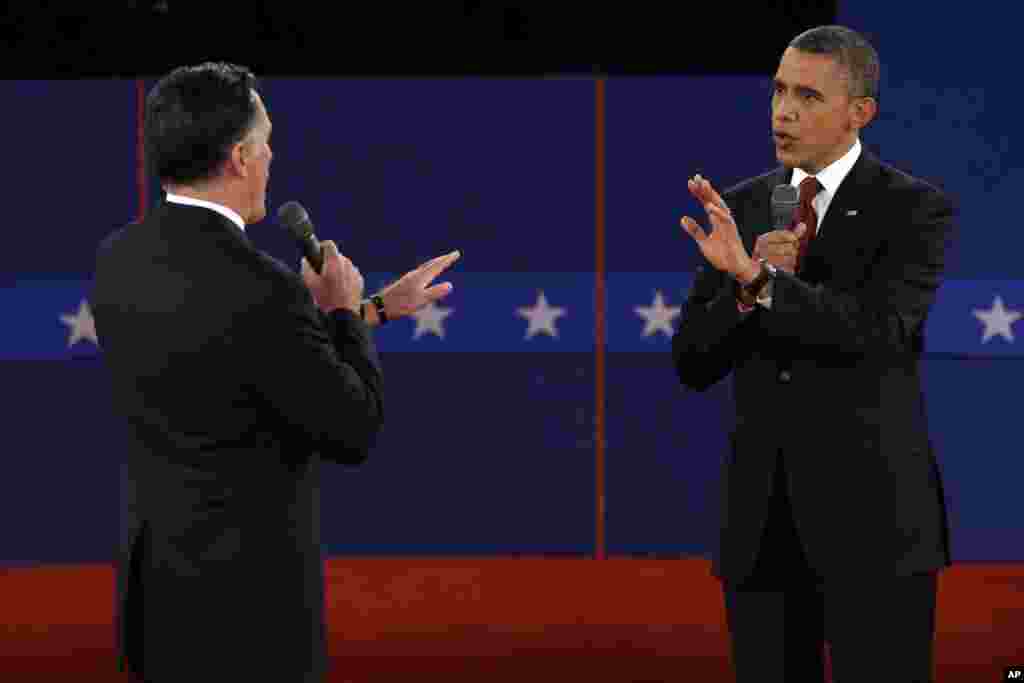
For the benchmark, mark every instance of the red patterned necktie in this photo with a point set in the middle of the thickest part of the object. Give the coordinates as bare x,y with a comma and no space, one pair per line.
809,189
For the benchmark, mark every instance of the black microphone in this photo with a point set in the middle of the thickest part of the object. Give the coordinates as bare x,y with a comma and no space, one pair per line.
785,201
294,217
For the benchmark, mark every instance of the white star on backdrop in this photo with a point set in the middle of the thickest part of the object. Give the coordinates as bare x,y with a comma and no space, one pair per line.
658,317
81,325
430,319
541,316
998,320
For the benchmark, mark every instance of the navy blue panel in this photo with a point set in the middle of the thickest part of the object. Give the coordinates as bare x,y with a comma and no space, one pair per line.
481,453
60,493
660,132
974,412
69,159
665,444
952,115
399,171
665,447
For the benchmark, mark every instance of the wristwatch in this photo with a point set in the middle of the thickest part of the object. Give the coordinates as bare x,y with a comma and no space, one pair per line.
748,295
378,301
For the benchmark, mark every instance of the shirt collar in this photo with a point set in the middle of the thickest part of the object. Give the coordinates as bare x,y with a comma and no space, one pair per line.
228,213
832,175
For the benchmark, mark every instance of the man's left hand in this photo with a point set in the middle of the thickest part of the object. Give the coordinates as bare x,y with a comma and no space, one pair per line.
779,248
410,292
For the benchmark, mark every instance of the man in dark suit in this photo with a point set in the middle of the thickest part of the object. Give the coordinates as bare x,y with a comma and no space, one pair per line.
237,377
833,521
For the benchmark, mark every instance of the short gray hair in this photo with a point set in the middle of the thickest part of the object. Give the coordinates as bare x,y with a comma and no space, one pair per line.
850,49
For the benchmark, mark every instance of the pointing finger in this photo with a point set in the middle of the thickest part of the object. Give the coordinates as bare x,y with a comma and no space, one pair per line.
438,265
431,262
427,265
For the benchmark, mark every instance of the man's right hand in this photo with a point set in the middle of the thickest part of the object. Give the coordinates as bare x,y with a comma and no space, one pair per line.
723,247
340,284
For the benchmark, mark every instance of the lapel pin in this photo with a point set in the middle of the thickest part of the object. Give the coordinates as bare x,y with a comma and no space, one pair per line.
851,212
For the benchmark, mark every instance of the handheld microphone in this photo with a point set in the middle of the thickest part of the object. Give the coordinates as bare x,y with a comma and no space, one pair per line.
294,218
785,201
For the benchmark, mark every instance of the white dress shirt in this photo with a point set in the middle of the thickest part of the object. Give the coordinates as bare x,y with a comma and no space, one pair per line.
830,178
228,213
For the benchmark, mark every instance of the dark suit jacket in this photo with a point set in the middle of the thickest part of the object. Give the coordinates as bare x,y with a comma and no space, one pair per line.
234,386
829,375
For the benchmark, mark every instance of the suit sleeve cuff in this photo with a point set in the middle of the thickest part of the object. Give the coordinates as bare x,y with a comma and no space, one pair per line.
346,326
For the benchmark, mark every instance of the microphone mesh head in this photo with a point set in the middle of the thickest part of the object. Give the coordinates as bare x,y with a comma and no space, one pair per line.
785,200
785,194
294,217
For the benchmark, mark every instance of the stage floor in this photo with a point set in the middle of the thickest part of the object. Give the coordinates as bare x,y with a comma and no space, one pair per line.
478,619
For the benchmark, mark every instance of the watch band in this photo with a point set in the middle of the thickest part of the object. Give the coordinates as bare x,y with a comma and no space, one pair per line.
747,295
378,301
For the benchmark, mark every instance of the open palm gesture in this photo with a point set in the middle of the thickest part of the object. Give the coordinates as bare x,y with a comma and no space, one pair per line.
723,248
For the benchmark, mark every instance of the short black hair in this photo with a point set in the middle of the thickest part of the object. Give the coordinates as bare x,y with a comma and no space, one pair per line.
851,50
193,116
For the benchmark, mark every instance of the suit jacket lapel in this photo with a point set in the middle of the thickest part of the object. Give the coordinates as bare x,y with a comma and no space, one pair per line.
845,223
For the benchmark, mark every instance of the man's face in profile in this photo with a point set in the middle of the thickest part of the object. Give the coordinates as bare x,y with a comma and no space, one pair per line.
258,156
813,114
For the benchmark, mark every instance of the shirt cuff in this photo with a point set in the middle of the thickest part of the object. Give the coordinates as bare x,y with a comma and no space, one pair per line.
765,297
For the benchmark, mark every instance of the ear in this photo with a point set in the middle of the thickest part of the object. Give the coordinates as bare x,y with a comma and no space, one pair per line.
863,111
237,162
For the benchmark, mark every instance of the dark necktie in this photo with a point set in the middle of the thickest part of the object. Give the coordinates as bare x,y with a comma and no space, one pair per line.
809,189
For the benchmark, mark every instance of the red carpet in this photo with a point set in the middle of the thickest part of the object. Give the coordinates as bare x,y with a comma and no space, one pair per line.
491,619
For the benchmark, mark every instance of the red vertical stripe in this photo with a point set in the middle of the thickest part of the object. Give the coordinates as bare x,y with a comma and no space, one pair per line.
599,320
140,151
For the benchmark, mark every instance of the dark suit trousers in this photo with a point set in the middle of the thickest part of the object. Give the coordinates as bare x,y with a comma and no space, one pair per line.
780,616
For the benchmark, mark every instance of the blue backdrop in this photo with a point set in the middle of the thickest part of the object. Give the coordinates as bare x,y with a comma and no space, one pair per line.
489,446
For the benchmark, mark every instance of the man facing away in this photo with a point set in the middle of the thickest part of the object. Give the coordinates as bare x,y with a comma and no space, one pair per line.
237,377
